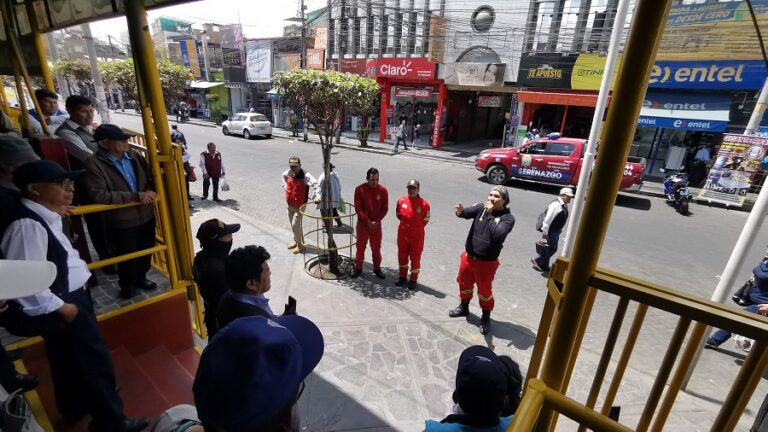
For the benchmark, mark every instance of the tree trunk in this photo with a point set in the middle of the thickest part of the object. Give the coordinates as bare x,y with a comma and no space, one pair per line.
326,203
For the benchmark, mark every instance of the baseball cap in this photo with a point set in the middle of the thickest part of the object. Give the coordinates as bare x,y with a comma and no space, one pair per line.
15,150
252,370
24,278
294,160
481,385
42,171
111,132
215,228
414,183
567,192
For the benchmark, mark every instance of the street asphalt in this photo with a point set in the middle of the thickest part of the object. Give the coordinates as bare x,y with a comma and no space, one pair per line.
391,355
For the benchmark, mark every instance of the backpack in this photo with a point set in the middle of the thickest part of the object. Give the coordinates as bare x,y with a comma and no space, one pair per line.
540,219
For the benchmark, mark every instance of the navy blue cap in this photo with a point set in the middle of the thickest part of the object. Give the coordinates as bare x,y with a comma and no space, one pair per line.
252,370
111,132
41,171
481,385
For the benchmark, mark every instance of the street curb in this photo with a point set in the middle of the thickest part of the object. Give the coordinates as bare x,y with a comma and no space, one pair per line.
170,120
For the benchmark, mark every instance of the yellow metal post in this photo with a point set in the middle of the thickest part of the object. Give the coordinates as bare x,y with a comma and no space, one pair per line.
45,70
642,42
146,68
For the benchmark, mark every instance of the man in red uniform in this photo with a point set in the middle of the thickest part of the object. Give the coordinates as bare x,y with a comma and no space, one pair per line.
213,169
371,204
413,212
491,224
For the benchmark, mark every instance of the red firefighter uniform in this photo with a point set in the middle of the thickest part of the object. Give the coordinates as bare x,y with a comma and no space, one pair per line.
414,216
371,204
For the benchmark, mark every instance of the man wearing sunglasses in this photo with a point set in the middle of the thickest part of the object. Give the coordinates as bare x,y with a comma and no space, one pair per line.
81,366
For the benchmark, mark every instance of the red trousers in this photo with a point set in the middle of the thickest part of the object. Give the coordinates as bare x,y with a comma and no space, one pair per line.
363,235
471,272
410,246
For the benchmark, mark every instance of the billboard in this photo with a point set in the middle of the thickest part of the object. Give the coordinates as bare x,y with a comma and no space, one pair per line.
740,157
189,56
315,58
475,74
403,68
258,60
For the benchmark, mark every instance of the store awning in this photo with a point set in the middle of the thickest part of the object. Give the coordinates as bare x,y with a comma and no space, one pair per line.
205,84
273,94
558,98
686,111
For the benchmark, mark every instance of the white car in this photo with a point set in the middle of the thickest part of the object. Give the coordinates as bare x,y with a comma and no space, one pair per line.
247,125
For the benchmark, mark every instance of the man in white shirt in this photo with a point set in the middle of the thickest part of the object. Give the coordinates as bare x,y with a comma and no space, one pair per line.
554,221
703,154
63,315
77,130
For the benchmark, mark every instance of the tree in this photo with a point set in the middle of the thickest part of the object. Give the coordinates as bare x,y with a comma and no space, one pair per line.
174,79
323,95
122,75
213,104
76,72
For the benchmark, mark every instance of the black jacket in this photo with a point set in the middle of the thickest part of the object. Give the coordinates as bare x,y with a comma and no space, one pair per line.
488,232
231,309
211,276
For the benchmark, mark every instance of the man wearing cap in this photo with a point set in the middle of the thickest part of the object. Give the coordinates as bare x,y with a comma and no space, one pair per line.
252,374
371,204
480,395
491,223
413,212
554,220
299,189
212,168
76,131
209,267
81,366
118,174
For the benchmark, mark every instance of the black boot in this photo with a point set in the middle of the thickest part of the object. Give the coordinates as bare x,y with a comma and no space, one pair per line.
401,281
485,322
461,310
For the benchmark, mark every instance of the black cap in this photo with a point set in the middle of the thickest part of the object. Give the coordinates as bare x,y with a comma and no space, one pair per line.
413,183
214,228
42,171
481,385
110,132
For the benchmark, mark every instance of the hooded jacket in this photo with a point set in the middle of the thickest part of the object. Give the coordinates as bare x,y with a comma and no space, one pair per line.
488,232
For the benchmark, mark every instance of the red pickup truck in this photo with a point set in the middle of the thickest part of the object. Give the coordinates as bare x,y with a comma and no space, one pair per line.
551,159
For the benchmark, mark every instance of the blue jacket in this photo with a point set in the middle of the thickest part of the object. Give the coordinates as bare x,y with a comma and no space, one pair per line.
435,426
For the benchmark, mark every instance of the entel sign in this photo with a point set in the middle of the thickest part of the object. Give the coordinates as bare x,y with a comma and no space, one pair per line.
409,68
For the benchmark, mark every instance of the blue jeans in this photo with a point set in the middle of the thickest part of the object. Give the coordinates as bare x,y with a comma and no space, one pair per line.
397,143
543,261
721,335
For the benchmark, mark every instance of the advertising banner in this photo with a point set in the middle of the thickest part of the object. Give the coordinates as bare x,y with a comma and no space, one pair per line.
412,92
738,160
550,70
475,74
315,59
489,101
403,68
194,62
258,60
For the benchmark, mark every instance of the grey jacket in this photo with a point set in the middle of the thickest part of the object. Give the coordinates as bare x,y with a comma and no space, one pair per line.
106,185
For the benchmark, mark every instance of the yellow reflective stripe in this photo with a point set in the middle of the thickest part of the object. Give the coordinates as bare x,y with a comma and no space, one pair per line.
415,270
404,266
469,291
485,298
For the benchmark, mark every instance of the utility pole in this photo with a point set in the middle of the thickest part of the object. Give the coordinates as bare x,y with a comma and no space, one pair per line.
303,59
98,84
205,56
53,49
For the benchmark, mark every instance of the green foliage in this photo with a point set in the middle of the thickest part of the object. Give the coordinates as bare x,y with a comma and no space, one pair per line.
174,79
324,94
122,75
74,72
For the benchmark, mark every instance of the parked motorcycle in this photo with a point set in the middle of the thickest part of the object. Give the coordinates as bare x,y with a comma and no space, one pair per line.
676,190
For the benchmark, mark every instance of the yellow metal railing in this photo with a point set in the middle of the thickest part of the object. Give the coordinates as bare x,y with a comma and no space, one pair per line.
691,311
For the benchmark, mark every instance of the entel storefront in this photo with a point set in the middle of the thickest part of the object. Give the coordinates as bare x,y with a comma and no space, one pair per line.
688,103
410,92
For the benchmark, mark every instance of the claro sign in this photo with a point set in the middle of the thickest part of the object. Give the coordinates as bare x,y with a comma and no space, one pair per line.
401,68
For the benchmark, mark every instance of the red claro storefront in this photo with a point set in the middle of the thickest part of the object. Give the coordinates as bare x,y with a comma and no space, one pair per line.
409,90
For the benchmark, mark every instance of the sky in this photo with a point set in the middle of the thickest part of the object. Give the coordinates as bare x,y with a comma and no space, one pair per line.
260,18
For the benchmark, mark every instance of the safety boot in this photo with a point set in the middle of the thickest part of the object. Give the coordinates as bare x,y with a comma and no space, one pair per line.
485,322
461,310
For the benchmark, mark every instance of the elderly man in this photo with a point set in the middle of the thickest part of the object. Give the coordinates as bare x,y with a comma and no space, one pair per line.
81,367
553,221
118,175
49,105
76,131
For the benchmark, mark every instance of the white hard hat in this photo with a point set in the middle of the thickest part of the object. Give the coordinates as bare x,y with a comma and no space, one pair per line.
567,192
24,278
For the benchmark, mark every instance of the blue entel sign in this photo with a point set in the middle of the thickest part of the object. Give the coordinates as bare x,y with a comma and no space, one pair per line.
722,75
683,124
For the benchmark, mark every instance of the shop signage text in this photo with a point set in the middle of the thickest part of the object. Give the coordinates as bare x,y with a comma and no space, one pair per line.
411,92
403,68
684,124
489,101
